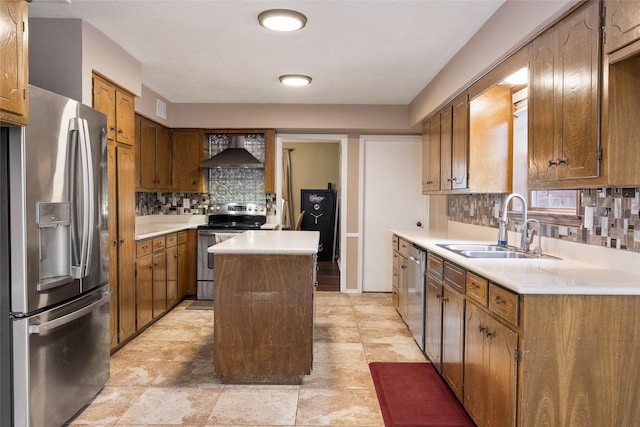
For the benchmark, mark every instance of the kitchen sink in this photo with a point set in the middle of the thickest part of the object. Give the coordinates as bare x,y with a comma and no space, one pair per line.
476,247
495,254
482,250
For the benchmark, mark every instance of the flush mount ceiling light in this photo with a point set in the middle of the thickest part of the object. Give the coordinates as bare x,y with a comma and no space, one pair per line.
282,20
295,80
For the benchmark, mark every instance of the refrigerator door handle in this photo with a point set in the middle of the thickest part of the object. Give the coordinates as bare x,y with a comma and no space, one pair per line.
79,128
68,318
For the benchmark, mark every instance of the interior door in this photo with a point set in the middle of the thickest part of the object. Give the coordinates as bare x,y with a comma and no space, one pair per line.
391,198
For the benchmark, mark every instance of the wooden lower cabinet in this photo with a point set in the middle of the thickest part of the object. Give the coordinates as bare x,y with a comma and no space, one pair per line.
453,306
172,275
490,370
144,291
433,322
159,284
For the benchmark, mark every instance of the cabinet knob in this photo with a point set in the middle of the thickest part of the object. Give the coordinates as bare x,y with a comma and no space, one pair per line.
418,224
120,131
500,301
429,182
115,242
121,241
551,163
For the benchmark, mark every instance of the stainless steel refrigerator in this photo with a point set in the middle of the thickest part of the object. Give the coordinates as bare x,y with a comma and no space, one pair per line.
54,290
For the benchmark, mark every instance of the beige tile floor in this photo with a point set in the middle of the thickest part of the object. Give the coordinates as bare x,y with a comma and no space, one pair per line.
165,375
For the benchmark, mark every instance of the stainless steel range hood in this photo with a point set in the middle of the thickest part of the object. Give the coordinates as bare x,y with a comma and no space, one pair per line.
236,156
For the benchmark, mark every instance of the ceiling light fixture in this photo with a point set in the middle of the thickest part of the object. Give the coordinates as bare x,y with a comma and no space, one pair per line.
282,20
295,80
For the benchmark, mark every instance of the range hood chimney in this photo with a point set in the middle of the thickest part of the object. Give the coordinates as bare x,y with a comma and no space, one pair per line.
236,156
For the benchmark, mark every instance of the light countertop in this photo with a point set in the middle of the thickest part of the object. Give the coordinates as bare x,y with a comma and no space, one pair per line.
270,242
149,226
533,276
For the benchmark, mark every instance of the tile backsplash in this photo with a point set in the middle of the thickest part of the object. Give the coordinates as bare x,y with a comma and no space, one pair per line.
224,184
608,217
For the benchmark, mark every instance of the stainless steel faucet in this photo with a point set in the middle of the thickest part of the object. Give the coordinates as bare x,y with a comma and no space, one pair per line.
527,236
504,220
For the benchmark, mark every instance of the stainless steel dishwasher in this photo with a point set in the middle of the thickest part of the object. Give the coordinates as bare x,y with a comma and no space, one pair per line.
415,296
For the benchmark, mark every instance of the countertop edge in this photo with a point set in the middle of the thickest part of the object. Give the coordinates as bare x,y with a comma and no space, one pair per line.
531,276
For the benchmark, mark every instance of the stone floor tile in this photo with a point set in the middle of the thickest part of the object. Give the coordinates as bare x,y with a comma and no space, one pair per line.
338,407
255,406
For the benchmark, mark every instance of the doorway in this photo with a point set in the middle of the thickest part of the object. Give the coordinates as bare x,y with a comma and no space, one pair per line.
316,162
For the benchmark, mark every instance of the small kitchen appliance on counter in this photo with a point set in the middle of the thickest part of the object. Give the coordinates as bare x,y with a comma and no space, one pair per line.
223,222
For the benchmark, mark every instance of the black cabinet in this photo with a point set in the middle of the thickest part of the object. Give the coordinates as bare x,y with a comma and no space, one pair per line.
319,208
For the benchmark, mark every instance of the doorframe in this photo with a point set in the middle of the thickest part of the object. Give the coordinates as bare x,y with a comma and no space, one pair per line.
320,138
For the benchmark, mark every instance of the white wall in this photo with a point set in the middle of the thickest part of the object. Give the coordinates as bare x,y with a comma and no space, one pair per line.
507,30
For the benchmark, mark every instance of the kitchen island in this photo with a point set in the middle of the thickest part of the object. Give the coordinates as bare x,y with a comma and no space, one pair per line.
263,305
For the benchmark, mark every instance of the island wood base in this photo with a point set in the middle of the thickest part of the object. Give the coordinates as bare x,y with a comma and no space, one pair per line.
263,318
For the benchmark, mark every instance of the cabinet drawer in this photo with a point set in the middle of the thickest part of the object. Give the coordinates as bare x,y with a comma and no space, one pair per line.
395,241
182,237
435,266
172,240
477,288
143,248
454,276
158,244
396,260
504,303
403,248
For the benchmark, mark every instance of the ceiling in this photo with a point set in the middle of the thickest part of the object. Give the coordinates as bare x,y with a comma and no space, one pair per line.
214,51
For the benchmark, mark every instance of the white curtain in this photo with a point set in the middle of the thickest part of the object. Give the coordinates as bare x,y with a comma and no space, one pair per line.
287,196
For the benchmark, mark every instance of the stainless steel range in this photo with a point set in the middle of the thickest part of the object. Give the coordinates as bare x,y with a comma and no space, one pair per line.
224,222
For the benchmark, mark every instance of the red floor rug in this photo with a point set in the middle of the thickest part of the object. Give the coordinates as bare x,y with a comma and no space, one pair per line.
414,394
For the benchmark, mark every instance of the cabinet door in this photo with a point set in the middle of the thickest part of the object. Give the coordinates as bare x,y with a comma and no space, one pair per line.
446,135
159,284
502,345
144,291
433,322
126,241
104,100
125,118
431,154
622,23
270,161
475,377
172,275
164,159
188,150
577,88
453,339
563,100
403,288
147,151
542,126
460,142
112,177
14,63
183,272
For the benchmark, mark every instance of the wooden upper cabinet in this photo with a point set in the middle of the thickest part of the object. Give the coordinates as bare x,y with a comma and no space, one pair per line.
118,106
622,23
431,154
104,100
154,156
270,161
454,144
563,101
14,63
125,122
188,152
460,143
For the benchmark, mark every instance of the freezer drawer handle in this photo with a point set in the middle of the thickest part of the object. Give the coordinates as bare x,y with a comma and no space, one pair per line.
63,320
53,282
